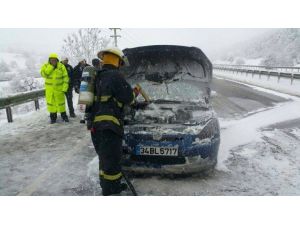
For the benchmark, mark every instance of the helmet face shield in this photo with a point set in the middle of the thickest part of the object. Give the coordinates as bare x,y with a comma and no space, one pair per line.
111,59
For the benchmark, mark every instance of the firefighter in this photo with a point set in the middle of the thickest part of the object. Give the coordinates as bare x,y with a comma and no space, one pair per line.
56,85
69,93
112,92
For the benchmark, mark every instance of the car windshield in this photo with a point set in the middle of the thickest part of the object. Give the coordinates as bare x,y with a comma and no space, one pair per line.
178,90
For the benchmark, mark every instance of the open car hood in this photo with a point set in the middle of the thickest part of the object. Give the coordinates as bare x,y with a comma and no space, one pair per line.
160,63
170,72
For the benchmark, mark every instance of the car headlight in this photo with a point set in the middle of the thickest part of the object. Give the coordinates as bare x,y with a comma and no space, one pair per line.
212,129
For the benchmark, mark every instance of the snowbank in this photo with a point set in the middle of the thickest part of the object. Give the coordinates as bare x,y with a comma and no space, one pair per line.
284,85
247,130
253,62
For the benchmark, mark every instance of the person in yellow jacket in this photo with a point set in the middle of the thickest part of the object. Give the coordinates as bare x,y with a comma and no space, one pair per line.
56,85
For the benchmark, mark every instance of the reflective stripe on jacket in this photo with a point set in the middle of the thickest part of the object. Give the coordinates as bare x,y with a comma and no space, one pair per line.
112,93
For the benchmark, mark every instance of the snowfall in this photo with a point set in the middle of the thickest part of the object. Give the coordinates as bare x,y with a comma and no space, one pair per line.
259,153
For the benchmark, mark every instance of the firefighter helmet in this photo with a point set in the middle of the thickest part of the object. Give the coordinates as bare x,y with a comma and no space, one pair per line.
114,51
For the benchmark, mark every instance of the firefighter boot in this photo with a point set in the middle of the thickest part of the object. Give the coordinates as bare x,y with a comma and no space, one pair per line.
112,187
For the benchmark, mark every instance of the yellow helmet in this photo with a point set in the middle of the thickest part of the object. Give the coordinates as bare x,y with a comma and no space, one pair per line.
53,56
115,51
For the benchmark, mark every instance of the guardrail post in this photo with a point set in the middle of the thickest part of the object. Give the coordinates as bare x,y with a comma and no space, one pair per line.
278,77
36,104
9,114
292,78
253,74
269,74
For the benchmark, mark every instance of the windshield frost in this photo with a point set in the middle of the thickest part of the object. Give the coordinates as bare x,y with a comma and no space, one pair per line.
174,91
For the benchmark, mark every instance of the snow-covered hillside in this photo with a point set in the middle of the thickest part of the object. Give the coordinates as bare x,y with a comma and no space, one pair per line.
13,60
279,47
15,63
19,72
241,61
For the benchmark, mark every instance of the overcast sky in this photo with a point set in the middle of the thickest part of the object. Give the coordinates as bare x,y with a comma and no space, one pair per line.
209,40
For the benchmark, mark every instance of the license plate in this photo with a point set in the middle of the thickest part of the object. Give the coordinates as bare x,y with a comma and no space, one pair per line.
158,151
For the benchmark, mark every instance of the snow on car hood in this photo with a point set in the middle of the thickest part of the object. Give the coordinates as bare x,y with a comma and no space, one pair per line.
170,119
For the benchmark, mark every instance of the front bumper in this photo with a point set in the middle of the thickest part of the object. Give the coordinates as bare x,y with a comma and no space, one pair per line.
195,159
193,165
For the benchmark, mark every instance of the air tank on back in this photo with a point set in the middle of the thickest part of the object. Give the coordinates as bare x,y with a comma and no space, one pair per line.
86,95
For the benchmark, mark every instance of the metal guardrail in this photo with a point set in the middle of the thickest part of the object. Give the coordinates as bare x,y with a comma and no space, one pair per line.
260,70
252,67
8,102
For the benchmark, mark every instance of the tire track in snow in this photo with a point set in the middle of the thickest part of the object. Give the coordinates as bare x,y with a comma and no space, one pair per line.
30,189
246,130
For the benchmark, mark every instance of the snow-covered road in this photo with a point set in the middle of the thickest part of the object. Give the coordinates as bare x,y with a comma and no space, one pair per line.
259,152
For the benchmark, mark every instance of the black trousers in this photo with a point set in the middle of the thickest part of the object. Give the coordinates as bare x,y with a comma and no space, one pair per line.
69,96
108,146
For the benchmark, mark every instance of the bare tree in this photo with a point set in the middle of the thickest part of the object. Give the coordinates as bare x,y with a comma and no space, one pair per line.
27,83
84,44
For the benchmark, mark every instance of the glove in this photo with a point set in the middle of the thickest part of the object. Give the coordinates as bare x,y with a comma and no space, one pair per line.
136,90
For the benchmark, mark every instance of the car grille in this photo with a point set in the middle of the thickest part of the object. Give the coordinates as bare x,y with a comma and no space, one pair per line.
162,160
165,137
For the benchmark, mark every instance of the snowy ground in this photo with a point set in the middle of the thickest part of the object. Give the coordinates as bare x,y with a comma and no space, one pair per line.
259,152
